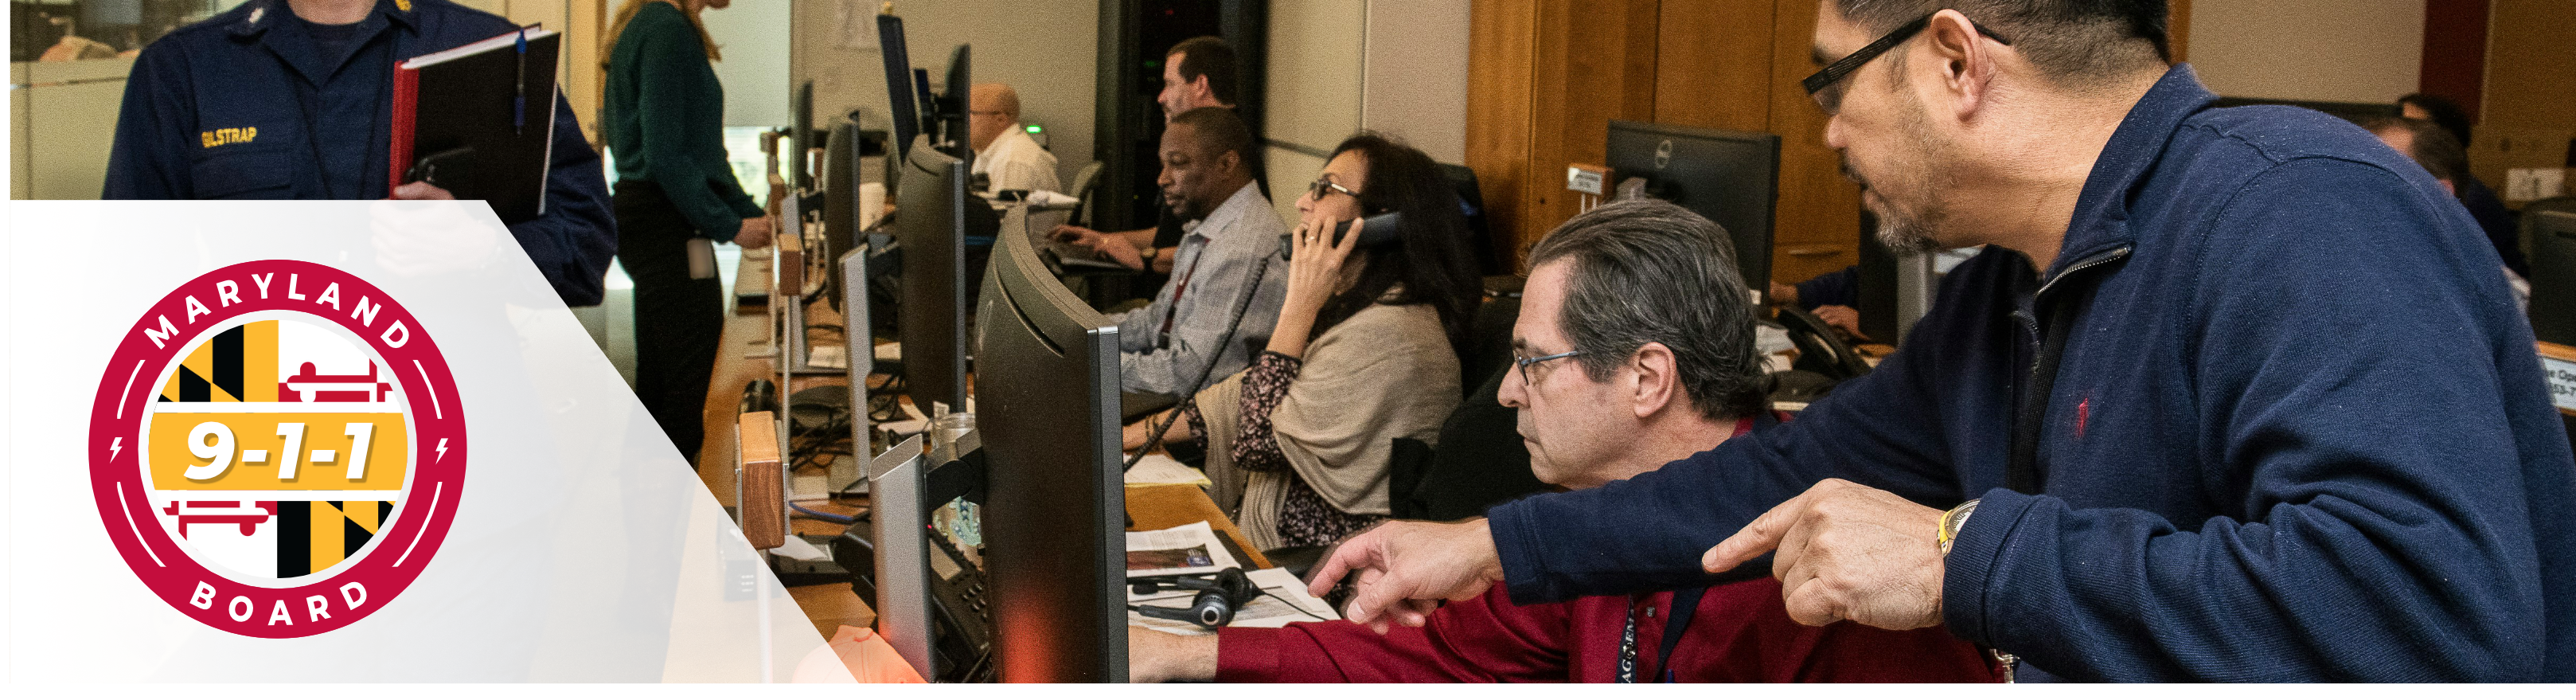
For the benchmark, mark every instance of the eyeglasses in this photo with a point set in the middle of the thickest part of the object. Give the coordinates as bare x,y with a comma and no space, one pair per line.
1522,364
1826,85
1322,186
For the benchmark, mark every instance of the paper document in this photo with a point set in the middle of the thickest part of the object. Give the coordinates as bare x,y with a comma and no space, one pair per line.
1188,549
911,424
1156,469
828,356
1286,601
798,549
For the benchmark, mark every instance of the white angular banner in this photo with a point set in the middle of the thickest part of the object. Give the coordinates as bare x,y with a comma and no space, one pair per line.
345,442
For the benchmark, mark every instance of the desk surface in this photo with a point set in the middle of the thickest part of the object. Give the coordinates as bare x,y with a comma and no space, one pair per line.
831,605
747,329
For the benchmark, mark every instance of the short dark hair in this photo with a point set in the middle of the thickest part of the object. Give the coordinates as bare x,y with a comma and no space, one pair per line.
2442,111
1221,130
1211,57
1648,271
2432,146
2066,39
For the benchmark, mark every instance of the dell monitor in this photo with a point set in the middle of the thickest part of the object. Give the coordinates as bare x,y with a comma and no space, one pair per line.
930,319
1046,393
1731,177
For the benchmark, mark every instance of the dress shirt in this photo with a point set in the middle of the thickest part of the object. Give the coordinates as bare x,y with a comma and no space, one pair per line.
1016,162
1166,346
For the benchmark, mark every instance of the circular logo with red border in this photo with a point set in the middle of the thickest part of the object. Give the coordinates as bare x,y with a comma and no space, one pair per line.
277,448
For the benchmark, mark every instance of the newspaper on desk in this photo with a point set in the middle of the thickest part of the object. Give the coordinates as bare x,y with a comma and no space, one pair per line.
1179,551
1157,469
1195,549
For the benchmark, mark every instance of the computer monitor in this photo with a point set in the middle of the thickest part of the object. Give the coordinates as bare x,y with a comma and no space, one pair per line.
846,148
930,319
801,108
1046,392
1731,177
952,105
899,86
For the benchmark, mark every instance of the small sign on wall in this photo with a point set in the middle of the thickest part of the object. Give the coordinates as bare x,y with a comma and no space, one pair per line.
2527,184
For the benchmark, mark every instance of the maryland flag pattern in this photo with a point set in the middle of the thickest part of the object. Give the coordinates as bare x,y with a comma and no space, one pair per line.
276,449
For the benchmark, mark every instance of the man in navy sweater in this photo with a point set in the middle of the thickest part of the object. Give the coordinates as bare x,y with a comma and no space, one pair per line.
2261,411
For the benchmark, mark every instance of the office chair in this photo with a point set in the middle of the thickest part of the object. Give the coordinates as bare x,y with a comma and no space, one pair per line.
1490,259
1084,184
2549,228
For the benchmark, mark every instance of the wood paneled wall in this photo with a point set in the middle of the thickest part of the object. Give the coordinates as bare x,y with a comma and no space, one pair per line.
1546,77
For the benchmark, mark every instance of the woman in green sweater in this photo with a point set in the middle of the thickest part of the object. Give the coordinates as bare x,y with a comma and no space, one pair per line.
665,124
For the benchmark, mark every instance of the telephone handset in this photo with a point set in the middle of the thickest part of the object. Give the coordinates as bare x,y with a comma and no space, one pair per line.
1380,231
1819,349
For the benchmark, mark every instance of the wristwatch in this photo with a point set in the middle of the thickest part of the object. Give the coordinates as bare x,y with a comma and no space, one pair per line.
1151,252
1952,521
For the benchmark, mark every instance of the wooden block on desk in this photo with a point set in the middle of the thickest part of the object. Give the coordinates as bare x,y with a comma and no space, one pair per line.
788,267
764,496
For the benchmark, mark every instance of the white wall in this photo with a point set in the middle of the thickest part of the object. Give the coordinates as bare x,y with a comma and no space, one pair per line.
1338,66
1313,89
753,35
2333,50
1416,75
1045,49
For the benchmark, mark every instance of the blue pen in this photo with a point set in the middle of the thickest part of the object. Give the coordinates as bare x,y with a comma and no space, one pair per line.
519,99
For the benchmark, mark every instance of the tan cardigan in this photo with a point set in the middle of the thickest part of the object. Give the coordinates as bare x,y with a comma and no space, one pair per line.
1387,372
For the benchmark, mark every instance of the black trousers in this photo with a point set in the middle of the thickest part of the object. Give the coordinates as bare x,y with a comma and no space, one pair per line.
678,321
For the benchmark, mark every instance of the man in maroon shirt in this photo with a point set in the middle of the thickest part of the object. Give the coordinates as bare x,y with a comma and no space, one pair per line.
1642,300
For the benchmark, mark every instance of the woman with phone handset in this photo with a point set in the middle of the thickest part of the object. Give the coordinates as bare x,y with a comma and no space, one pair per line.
1300,444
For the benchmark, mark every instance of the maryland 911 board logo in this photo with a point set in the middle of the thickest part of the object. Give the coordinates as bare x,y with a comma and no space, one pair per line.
277,449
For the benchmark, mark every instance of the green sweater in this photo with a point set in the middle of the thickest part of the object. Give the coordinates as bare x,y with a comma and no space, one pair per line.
665,120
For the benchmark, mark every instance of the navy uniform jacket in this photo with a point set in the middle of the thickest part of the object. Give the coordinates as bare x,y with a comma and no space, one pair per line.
2298,431
246,106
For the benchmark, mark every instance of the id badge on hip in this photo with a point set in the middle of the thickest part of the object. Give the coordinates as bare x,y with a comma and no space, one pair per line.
702,258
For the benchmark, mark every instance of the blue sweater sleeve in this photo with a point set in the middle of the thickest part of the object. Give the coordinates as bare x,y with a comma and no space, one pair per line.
1647,533
572,242
2350,406
1837,288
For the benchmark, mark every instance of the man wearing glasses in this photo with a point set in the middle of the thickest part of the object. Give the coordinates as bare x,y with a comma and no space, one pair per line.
1632,349
2166,427
1004,154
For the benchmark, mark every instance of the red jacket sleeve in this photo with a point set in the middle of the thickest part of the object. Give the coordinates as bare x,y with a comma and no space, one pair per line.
1485,640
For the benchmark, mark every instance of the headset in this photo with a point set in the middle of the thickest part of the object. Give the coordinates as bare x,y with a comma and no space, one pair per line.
1220,595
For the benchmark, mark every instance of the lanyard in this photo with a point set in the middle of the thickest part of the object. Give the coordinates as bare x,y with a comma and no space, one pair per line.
1179,287
1677,617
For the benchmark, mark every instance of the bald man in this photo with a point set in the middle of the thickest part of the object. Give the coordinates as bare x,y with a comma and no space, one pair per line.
1003,151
